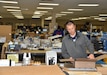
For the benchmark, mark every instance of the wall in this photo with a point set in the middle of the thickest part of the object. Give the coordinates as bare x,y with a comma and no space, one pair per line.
5,31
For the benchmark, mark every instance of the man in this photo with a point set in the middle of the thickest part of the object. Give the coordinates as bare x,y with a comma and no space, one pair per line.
58,31
75,44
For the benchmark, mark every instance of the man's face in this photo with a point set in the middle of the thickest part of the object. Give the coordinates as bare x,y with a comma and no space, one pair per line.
71,28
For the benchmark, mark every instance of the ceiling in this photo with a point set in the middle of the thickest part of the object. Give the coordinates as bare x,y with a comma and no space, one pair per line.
28,7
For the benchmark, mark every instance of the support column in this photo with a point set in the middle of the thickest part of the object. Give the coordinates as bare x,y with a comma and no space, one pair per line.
53,23
42,22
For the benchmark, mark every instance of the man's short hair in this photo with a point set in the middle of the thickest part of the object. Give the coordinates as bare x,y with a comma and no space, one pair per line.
69,22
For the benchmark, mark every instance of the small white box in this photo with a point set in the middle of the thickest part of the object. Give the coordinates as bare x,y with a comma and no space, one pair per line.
4,62
51,58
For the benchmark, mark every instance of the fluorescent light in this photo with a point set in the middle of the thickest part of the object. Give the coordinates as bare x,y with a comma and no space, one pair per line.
37,13
88,4
44,8
1,17
97,18
83,18
49,18
100,19
40,12
11,7
13,2
75,19
16,13
52,4
19,17
102,14
60,15
80,18
67,12
35,16
13,10
75,9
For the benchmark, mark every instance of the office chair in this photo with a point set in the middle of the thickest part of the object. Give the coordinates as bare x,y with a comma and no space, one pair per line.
100,58
102,70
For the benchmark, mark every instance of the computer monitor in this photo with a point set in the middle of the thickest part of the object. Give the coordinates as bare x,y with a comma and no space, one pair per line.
44,29
14,47
11,47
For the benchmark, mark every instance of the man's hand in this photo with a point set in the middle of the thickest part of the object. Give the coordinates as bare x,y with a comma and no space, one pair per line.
72,60
91,56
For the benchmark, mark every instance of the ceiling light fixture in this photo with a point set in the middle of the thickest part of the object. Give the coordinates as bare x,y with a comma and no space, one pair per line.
44,8
88,5
11,7
19,17
12,10
102,14
37,13
49,18
84,18
12,2
40,12
67,12
0,16
51,4
75,19
36,16
100,19
75,9
18,13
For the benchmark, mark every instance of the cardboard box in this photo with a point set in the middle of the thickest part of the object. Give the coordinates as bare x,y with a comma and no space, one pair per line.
81,62
84,63
103,70
13,57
